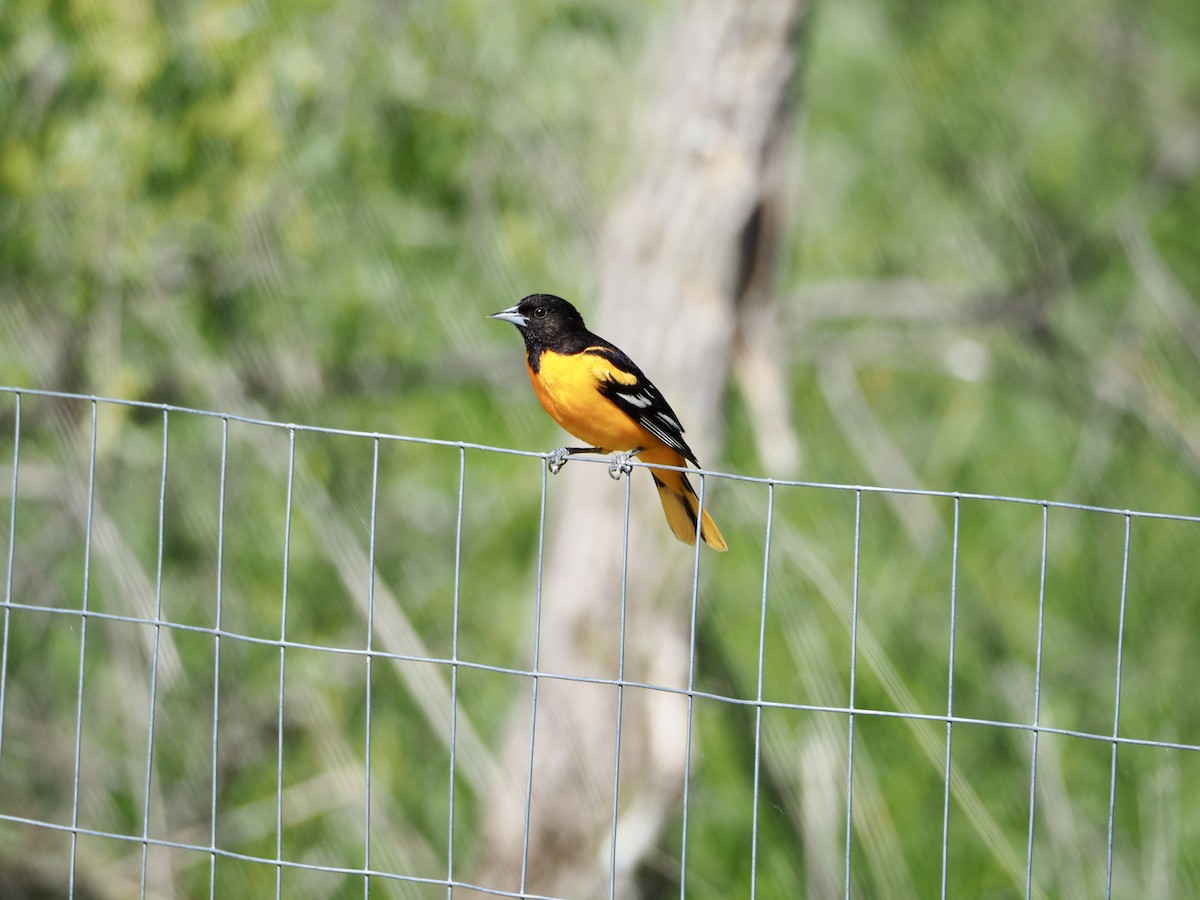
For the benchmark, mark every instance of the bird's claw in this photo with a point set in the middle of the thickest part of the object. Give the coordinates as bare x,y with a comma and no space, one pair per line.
557,459
618,465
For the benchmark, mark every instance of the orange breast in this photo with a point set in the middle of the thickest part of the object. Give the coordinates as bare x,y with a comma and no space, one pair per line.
568,388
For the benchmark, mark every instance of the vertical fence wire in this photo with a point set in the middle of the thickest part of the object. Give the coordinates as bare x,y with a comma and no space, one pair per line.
151,717
1116,730
851,702
83,630
454,665
535,664
1037,702
691,695
216,697
620,683
143,833
758,704
950,697
370,667
8,576
283,610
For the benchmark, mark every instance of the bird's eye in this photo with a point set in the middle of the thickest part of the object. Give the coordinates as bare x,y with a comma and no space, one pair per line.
540,312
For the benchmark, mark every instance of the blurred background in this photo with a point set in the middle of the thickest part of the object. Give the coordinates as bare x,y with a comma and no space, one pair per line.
977,226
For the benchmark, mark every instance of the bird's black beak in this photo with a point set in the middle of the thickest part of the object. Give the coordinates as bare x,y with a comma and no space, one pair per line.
511,315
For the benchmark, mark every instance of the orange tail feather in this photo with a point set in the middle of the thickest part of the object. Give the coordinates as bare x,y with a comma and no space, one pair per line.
682,506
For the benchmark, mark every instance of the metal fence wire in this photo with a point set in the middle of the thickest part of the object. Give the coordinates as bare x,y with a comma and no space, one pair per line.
217,679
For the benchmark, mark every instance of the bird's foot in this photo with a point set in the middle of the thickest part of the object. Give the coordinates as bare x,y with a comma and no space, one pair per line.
618,464
557,459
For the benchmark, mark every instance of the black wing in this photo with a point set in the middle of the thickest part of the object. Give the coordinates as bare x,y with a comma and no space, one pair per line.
635,395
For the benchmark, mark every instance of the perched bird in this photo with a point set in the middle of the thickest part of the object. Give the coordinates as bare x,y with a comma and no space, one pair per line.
595,392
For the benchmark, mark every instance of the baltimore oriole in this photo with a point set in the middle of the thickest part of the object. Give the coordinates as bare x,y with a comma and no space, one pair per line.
595,392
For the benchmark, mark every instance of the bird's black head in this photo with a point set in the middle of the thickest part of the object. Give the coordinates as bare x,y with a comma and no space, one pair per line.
546,321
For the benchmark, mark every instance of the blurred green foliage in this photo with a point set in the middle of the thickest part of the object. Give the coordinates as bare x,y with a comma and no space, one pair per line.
301,211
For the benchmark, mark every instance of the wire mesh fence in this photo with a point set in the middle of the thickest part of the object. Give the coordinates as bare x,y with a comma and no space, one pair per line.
234,666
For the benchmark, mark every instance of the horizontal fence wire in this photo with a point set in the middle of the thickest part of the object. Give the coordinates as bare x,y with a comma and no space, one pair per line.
144,833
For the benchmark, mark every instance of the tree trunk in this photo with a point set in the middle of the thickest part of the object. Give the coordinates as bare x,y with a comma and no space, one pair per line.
683,253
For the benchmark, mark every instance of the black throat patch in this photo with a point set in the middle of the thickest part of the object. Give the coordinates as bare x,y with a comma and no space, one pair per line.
533,355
